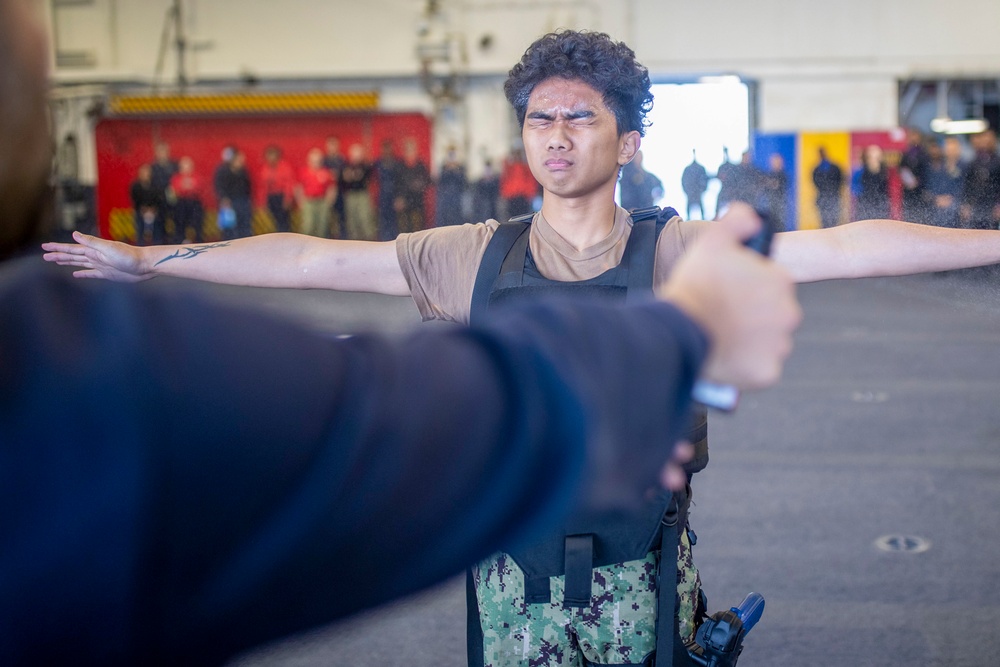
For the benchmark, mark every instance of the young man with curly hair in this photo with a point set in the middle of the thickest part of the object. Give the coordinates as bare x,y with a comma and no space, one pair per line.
581,99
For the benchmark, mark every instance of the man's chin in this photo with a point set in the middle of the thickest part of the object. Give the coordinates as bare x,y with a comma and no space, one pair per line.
571,190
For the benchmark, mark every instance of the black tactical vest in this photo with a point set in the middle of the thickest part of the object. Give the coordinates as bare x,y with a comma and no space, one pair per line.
508,273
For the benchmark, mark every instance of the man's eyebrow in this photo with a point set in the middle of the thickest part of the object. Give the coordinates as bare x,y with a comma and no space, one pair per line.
540,115
569,115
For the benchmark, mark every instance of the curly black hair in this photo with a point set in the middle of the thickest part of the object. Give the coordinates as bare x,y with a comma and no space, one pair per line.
608,66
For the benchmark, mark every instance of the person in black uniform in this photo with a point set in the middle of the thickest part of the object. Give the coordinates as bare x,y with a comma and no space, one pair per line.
387,175
149,205
233,190
486,193
639,188
694,182
980,195
829,181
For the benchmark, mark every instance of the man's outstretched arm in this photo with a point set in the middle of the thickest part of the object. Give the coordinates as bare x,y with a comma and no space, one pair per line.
870,248
268,260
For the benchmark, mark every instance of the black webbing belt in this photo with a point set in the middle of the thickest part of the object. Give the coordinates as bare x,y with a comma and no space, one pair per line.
579,570
666,586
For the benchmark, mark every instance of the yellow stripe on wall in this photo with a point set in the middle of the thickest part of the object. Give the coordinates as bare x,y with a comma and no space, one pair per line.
243,103
122,224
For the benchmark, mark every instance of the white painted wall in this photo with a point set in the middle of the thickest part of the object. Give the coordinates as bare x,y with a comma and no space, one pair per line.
820,65
307,38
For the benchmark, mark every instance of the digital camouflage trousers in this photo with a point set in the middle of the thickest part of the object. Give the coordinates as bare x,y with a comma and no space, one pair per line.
619,626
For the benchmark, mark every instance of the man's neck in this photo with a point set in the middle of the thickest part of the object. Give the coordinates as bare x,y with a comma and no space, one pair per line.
581,222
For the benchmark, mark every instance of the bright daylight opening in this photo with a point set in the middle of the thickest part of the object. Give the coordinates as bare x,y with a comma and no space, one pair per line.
704,117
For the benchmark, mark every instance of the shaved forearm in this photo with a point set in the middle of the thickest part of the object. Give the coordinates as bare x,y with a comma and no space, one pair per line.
870,248
284,260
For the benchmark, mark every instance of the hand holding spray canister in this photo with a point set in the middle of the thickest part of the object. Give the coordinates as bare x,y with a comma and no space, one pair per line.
722,396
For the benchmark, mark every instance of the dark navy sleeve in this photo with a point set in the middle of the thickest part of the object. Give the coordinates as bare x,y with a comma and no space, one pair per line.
180,481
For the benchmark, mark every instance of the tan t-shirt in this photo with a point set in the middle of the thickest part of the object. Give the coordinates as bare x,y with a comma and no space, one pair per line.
440,264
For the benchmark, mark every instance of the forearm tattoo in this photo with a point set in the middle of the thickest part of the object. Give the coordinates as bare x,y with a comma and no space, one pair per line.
188,253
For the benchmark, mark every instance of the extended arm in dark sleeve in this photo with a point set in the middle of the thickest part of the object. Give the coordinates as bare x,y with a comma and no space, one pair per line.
182,481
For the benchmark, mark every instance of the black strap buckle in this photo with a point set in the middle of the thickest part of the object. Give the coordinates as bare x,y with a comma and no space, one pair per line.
672,515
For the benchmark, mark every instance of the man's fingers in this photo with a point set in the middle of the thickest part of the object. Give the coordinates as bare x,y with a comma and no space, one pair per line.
87,273
740,220
673,477
62,249
683,452
77,261
88,241
60,257
65,259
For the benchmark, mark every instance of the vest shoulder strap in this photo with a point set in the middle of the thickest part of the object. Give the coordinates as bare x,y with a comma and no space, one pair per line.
496,252
647,223
661,215
639,214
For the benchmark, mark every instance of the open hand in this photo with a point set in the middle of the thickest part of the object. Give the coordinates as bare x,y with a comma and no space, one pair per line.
98,258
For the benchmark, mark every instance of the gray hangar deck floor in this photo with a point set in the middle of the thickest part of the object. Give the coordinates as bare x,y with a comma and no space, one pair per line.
885,424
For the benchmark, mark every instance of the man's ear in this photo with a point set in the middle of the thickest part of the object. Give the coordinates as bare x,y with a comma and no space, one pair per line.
629,143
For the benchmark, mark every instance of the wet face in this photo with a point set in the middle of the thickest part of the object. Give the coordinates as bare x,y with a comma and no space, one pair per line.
571,140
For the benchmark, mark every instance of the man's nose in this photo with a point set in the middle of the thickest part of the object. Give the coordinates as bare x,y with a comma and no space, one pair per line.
558,136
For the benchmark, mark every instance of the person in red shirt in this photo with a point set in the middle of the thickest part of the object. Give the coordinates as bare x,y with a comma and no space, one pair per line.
518,188
278,191
315,193
187,192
